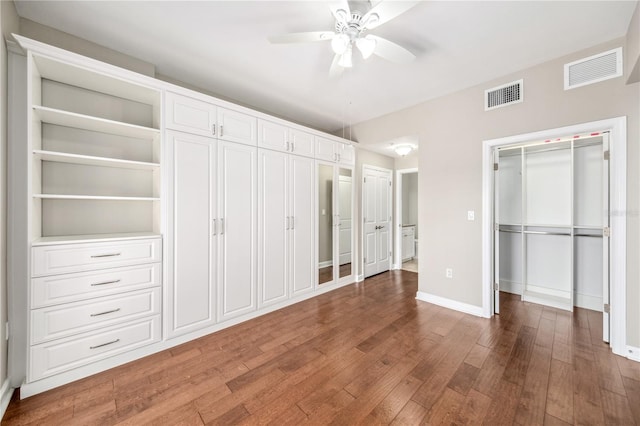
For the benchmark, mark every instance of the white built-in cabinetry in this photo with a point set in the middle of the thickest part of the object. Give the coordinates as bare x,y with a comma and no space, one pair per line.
334,151
85,264
143,215
286,262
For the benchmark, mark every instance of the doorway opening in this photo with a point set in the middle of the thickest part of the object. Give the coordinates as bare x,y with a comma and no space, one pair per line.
531,237
407,249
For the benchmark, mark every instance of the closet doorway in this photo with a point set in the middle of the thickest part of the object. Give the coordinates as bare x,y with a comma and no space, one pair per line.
554,221
406,235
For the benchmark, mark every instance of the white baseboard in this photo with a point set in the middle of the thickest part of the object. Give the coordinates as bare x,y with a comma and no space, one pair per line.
510,287
325,263
633,353
450,304
360,278
6,391
588,302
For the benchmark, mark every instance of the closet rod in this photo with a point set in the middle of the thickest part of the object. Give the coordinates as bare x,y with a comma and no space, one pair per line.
509,230
547,233
587,235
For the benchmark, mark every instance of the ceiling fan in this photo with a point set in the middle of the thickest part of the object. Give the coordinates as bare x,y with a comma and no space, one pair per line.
351,29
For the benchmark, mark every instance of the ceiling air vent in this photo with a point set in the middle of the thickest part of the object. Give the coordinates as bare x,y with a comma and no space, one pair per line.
593,69
507,94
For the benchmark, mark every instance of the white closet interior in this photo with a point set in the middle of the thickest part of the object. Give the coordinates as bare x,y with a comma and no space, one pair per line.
552,221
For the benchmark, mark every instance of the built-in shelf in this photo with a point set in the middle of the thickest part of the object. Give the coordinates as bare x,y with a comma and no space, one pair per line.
96,124
91,238
62,157
92,197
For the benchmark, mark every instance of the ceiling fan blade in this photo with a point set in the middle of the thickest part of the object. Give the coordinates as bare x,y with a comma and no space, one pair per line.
338,5
304,37
390,51
335,69
386,11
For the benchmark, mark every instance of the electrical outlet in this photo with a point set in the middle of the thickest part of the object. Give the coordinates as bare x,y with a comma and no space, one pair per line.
471,215
448,273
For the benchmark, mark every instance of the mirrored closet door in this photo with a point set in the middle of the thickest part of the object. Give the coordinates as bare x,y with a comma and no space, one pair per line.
335,223
551,216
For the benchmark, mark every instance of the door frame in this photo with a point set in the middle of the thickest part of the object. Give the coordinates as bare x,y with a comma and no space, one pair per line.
397,258
366,167
618,211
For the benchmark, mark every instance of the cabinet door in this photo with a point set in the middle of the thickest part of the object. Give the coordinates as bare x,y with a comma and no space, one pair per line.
346,153
237,127
273,227
273,136
190,115
301,143
325,149
192,285
237,207
302,232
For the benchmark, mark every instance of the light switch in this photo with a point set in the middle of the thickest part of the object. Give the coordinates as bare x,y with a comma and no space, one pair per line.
471,215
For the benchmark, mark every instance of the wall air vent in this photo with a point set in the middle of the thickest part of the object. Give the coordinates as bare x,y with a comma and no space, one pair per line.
593,69
507,94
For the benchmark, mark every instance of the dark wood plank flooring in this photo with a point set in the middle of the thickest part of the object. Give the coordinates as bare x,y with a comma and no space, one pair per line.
366,354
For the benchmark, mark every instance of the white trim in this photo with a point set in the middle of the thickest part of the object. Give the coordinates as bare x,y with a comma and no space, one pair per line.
633,353
618,216
450,304
6,392
360,278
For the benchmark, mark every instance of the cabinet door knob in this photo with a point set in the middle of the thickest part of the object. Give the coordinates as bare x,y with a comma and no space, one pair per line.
213,129
105,283
104,344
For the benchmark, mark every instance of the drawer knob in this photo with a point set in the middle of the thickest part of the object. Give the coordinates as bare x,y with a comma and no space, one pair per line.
105,313
104,344
105,255
105,283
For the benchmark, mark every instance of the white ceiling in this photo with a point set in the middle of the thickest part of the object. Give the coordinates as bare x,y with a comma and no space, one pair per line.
222,46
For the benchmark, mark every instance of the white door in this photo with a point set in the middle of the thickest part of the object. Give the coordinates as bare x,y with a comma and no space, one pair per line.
192,284
237,207
606,326
273,227
345,220
302,223
302,143
325,149
496,232
376,207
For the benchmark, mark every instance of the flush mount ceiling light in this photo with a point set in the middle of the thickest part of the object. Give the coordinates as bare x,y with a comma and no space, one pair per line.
351,30
403,149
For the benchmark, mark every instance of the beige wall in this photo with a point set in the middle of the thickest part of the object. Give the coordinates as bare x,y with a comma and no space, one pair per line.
408,162
8,24
66,41
451,130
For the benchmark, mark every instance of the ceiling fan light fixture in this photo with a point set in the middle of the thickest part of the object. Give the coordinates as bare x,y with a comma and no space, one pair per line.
403,150
366,46
346,59
340,44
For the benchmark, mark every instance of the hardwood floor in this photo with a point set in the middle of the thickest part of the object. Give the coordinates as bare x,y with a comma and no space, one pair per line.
370,354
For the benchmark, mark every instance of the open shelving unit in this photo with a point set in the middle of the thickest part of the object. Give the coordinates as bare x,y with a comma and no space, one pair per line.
95,146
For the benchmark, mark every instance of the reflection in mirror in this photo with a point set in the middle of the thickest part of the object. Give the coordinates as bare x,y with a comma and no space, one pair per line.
325,223
345,222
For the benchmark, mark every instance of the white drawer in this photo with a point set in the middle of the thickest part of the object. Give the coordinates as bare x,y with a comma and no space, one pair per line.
61,355
56,289
66,258
59,321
